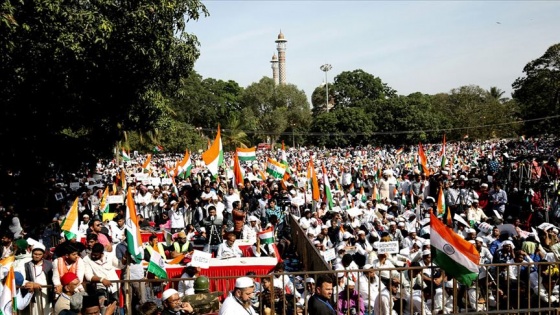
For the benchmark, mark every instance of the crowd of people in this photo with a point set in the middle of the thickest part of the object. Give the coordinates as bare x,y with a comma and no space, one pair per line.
501,196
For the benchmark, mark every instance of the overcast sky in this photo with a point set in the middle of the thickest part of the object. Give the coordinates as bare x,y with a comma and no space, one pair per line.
413,46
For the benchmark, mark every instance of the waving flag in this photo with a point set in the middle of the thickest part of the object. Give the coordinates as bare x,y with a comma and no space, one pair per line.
422,160
450,252
8,302
312,179
184,167
133,238
157,265
147,162
441,204
237,172
125,156
266,236
214,156
328,193
70,223
442,154
104,204
249,154
275,169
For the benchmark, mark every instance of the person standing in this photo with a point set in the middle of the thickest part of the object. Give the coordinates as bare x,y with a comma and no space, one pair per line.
38,272
172,304
320,303
238,218
239,300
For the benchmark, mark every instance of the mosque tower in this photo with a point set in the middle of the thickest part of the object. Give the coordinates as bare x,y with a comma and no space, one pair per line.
274,63
281,47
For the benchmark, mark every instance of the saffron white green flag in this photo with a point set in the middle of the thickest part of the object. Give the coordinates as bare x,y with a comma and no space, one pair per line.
214,156
8,302
328,193
441,207
266,236
70,224
133,238
104,203
125,156
185,166
249,154
456,256
157,265
275,169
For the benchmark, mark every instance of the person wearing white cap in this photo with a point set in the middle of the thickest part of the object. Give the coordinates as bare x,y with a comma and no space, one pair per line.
251,229
177,216
84,224
309,291
38,272
349,300
172,304
238,301
369,287
475,214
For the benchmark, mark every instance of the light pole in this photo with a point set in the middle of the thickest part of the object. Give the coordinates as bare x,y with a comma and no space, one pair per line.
326,68
293,136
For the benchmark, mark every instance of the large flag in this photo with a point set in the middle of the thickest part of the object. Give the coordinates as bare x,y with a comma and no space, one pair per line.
237,172
125,156
249,154
443,163
184,167
147,162
457,257
214,156
8,303
312,180
266,236
133,238
157,265
422,160
71,222
104,203
275,169
123,179
328,193
441,204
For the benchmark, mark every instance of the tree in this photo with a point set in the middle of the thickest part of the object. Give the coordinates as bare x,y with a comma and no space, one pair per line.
497,94
358,89
538,92
318,99
74,76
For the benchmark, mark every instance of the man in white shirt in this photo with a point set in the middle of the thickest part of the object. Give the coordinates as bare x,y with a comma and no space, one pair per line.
369,287
239,300
228,249
84,225
117,229
101,270
230,197
177,217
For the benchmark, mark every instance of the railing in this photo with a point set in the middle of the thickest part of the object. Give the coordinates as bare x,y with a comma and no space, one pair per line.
310,256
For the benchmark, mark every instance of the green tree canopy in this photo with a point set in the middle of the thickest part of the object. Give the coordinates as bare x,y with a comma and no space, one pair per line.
359,89
538,92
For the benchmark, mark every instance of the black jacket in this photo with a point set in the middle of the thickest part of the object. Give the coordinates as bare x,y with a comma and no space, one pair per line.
318,305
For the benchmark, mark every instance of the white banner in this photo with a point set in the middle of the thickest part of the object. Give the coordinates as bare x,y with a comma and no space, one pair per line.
115,199
201,259
388,247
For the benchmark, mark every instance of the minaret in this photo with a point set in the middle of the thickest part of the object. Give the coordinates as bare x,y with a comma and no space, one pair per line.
274,63
281,47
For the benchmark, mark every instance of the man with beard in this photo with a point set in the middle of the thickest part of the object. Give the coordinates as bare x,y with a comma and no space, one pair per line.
239,301
100,271
38,272
320,303
172,304
7,248
69,262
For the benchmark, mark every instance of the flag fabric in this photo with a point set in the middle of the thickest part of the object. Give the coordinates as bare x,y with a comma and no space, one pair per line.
441,204
403,198
453,254
328,193
399,151
133,238
214,156
442,154
8,303
157,149
184,167
147,162
70,224
104,203
284,158
123,179
422,160
275,169
249,154
157,265
237,172
312,179
125,156
266,236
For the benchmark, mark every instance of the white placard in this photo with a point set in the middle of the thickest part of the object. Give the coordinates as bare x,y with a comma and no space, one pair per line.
155,181
201,259
74,185
388,247
166,181
146,181
140,176
115,199
329,254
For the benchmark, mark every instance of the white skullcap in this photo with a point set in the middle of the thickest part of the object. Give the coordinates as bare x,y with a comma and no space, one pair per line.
316,242
168,293
479,239
244,282
368,266
309,280
426,252
173,202
472,242
253,218
350,282
401,224
392,223
483,185
324,227
39,246
361,232
469,231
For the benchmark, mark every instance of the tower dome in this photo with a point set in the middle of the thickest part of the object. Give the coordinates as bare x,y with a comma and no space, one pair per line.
274,57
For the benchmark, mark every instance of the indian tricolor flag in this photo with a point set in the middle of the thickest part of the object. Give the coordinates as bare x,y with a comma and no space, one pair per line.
125,156
423,160
399,151
157,265
443,163
441,207
184,167
237,178
147,162
104,203
266,236
453,254
249,154
214,156
328,193
133,238
312,180
8,303
275,169
70,223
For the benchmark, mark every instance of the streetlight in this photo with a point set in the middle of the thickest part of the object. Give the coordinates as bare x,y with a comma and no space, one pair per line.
293,136
326,68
